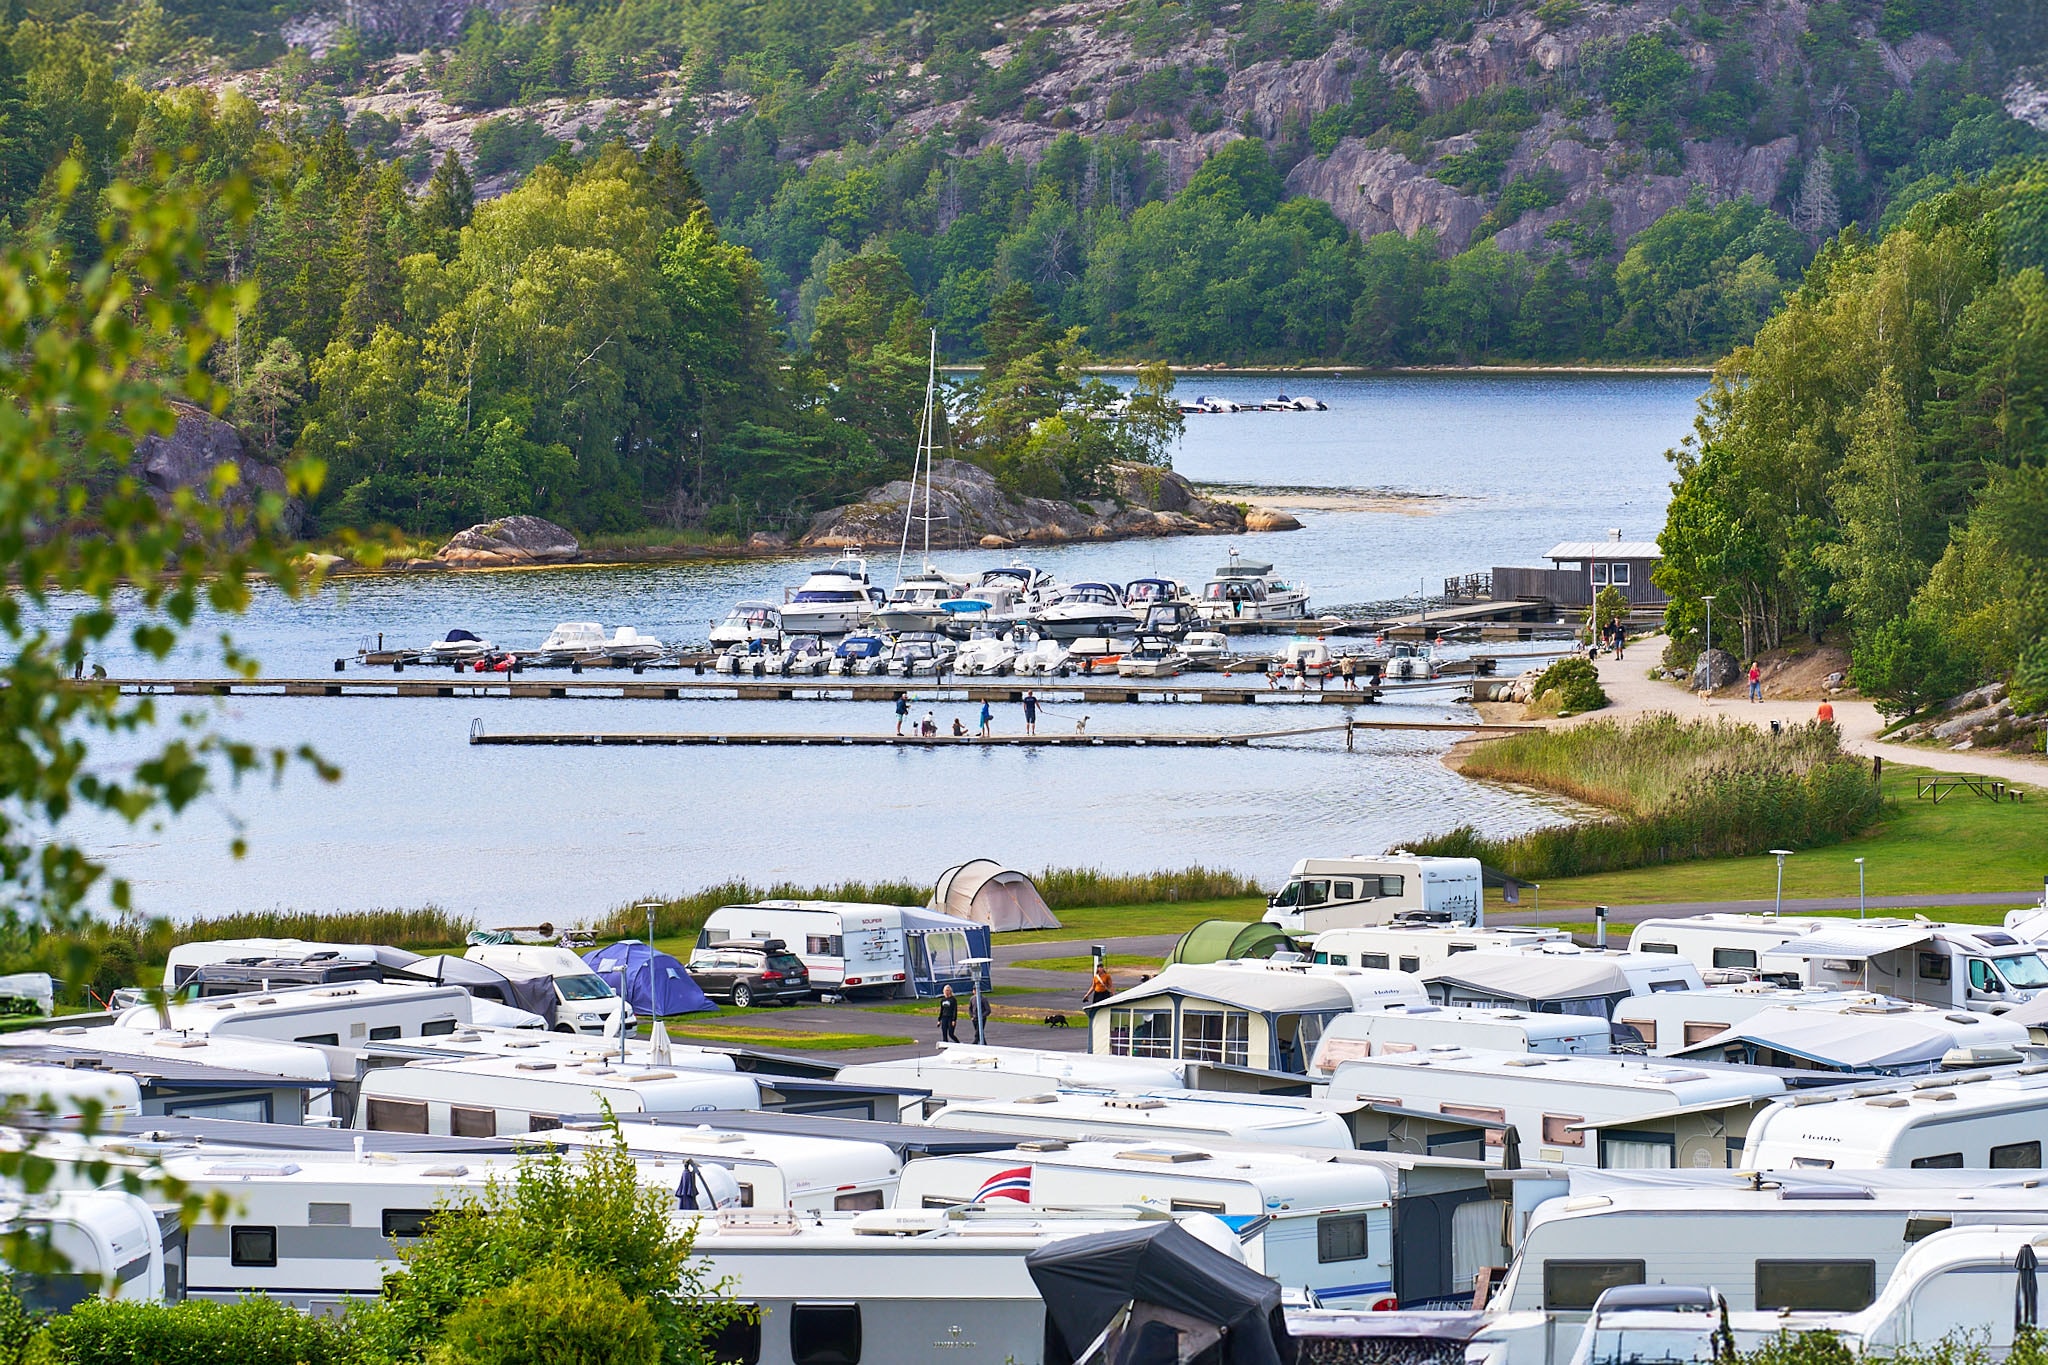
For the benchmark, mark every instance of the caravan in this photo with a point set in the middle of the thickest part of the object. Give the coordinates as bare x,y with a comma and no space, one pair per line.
1267,1016
1422,1028
1416,947
503,1096
1986,1120
1349,893
894,950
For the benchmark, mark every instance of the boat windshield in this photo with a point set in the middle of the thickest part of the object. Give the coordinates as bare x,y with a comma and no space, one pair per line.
1232,590
2023,971
1652,1347
587,987
826,595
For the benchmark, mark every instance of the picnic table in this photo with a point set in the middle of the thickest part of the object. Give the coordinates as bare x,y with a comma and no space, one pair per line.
1933,787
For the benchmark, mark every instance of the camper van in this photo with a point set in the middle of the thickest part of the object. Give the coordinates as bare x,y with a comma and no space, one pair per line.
771,1170
1419,1028
1550,1101
1416,947
1984,1120
1264,1015
501,1096
110,1243
848,948
588,1003
1355,1230
1350,893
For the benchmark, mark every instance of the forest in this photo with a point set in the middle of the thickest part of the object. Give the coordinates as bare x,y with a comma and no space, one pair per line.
1876,462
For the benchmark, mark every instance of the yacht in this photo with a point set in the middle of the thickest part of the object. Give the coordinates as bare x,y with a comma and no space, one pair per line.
834,600
746,621
922,654
802,656
1023,581
1083,609
569,641
458,646
1245,590
987,654
918,602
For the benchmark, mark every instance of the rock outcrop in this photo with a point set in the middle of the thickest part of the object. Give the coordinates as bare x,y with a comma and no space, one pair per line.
189,455
1716,668
968,509
508,542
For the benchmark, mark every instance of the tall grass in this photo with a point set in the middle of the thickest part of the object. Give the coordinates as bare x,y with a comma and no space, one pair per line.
1681,790
1085,888
418,929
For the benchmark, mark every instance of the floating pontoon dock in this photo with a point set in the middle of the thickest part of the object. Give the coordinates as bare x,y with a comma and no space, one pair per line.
1055,740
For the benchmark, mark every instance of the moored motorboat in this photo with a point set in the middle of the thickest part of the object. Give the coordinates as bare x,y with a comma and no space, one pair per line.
1205,646
858,655
1098,654
1043,659
629,646
1246,590
1305,659
456,647
924,654
1086,609
1153,658
1411,663
569,641
919,602
801,656
986,654
834,600
753,620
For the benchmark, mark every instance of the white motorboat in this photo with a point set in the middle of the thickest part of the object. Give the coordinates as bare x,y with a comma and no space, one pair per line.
1246,590
1140,593
1098,654
858,656
834,600
1087,609
918,602
748,658
1411,663
1031,584
1298,403
570,640
1042,659
629,646
987,654
801,656
1305,659
458,646
1153,658
1206,646
746,621
921,655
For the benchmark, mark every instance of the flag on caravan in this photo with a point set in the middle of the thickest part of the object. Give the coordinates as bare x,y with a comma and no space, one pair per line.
1011,1184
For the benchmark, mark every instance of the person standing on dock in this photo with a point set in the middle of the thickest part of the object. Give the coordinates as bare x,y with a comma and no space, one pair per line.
902,710
1030,713
1350,667
949,1016
987,718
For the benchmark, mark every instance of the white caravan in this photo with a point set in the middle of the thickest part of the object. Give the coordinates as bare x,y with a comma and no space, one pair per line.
45,1095
1550,1101
1723,941
1957,1284
1265,1015
1878,1036
131,1050
1985,1120
1557,978
500,1096
1348,893
961,1071
844,946
1185,1116
772,1170
111,1243
1672,1021
1419,1028
343,1021
587,1003
569,1049
1417,947
1357,1230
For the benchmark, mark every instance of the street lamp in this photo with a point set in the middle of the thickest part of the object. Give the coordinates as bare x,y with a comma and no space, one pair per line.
1707,651
1860,903
1781,854
650,907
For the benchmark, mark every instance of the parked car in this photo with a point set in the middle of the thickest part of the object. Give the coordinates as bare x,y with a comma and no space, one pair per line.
744,971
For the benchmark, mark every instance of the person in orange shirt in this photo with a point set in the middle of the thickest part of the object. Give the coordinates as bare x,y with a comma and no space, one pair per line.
1826,712
1101,988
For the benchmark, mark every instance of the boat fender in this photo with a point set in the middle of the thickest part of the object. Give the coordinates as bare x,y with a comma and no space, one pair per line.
398,665
638,669
575,665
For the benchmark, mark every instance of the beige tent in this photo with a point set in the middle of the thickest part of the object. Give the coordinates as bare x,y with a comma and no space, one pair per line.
988,893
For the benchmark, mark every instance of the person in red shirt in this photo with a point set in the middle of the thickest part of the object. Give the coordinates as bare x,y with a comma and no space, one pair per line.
1756,683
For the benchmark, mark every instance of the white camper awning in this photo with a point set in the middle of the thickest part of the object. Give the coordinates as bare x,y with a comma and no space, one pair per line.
1855,944
1533,976
1247,988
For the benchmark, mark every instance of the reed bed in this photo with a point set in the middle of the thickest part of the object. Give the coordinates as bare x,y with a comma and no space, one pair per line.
419,929
1681,790
1088,888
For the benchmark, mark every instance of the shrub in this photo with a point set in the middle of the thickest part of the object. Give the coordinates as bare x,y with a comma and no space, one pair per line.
1909,663
1570,684
2030,681
255,1331
558,1315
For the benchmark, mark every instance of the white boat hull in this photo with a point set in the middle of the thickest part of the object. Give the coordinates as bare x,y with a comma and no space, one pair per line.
836,619
1287,607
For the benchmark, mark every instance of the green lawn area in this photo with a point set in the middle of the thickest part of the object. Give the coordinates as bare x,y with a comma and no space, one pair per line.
1965,844
1130,921
788,1039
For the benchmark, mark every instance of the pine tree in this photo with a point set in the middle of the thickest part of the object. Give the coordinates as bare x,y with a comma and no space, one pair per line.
446,207
376,292
676,186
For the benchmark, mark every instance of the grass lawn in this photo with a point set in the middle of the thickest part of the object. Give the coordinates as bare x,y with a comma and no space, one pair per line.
1131,921
1965,844
790,1039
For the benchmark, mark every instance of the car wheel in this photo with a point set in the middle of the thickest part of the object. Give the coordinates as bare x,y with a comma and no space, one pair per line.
742,995
563,1028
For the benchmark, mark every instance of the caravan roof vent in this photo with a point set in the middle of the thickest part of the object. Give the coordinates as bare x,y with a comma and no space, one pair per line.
336,991
1523,1061
445,1172
1825,1192
1894,1102
1046,1098
534,1066
653,1076
1133,1102
1042,1145
249,1170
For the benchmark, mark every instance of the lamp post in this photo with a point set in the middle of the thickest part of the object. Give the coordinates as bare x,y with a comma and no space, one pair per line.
650,907
1861,904
1707,650
1781,854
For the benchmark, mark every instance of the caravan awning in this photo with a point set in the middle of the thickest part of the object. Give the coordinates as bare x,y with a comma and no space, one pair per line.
1848,1042
1533,976
1248,988
1855,944
1682,1111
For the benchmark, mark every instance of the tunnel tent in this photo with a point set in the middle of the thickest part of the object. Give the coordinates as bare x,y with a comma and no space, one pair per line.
988,893
655,983
1219,940
1172,1296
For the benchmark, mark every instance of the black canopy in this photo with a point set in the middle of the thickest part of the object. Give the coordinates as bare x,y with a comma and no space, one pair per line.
534,994
1085,1281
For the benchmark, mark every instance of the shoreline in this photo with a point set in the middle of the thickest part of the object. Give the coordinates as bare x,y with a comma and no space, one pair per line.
1339,371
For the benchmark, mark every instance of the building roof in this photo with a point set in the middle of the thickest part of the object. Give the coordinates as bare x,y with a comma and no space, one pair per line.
1605,549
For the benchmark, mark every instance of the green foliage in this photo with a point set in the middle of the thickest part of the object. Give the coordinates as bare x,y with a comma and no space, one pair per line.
1609,606
2030,681
511,144
1571,684
559,1314
253,1331
1642,80
1681,789
1909,663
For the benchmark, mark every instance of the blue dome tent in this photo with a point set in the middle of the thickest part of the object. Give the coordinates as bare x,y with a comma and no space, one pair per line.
655,983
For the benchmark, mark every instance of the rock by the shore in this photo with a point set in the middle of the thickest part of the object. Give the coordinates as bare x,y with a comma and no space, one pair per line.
189,455
1266,519
507,542
968,509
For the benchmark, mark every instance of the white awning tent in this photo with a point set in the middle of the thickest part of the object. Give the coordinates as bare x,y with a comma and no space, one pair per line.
988,893
1531,976
1853,944
1258,992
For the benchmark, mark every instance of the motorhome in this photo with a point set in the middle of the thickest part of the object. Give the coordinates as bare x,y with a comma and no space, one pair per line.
59,1095
1722,941
342,1021
105,1242
1254,1014
1548,1101
499,1096
1556,979
1184,1116
185,958
569,1049
1666,1022
586,1001
1984,1120
1878,1037
771,1170
1357,1230
1349,893
964,1071
1415,947
849,948
1963,1283
195,1075
1418,1028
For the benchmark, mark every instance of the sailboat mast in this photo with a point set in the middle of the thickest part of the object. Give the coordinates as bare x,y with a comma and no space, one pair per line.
930,438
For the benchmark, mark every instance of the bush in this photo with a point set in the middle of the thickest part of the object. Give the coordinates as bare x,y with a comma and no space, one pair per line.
1910,663
1570,684
255,1331
557,1315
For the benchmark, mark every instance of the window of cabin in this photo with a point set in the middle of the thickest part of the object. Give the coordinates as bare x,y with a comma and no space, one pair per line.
465,1121
2019,1156
1617,574
1933,966
384,1033
1341,1239
1215,1036
407,1222
1378,960
1946,1161
437,1028
738,1341
1735,957
321,1039
858,1201
1141,1032
1815,1286
1411,964
1575,1286
1344,891
1648,1028
1671,948
1599,573
824,1334
252,1246
398,1116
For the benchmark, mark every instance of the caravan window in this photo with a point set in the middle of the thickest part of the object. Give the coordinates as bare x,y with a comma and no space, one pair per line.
252,1246
435,1028
825,945
1697,1032
1638,1151
1575,1286
1216,1036
1378,960
1671,948
1947,1161
1933,967
1141,1032
2020,1156
738,1341
1815,1286
1411,964
1495,1137
1391,886
385,1033
398,1116
824,1334
1314,893
859,1201
1335,959
1735,957
464,1121
1345,891
1341,1239
407,1222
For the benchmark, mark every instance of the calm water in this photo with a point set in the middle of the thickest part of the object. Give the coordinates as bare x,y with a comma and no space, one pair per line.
1403,482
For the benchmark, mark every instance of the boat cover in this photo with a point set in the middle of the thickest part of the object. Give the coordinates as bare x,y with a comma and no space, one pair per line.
534,994
1087,1281
656,983
1533,976
988,893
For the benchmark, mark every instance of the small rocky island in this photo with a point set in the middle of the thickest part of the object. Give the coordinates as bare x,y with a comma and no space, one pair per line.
968,509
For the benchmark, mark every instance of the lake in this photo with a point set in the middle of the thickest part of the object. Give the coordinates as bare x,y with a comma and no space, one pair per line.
1404,481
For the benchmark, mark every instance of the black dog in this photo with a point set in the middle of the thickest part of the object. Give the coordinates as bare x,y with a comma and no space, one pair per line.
1056,1021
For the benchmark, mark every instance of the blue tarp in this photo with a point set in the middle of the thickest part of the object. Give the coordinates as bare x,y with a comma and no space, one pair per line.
655,982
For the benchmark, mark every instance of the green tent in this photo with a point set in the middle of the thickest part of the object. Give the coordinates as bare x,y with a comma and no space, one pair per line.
1213,940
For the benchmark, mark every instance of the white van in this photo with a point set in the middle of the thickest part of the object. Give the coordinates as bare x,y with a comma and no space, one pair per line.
589,1003
1418,947
1985,1120
501,1096
1348,893
1419,1028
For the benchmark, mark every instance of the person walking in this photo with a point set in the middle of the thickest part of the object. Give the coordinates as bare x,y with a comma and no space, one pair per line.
1100,987
1030,713
1826,714
1756,682
949,1016
981,1011
902,711
987,719
1620,639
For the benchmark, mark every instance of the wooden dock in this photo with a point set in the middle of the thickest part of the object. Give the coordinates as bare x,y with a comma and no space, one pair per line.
1050,740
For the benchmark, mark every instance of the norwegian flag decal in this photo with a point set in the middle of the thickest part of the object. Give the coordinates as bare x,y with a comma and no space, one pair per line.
1012,1184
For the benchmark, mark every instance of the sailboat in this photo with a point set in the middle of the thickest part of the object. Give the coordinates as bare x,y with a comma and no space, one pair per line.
919,601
